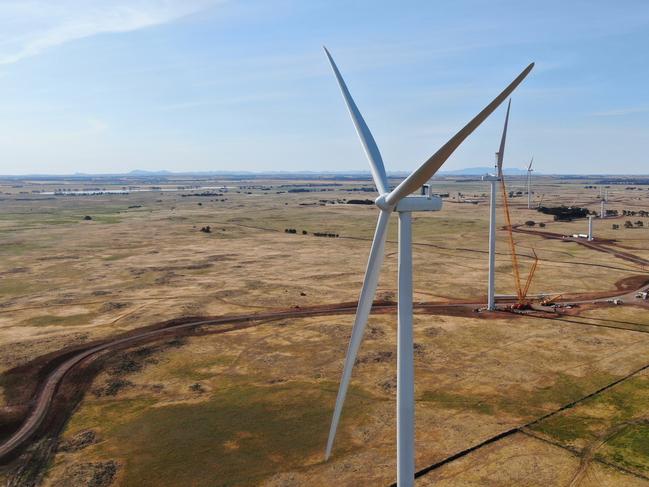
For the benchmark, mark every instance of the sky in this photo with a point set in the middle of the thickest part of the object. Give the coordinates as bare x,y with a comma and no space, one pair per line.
213,85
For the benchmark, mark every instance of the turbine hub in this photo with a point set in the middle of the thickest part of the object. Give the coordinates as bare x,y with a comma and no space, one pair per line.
382,203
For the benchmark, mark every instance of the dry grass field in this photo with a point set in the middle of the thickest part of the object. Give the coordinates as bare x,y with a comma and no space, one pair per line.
252,406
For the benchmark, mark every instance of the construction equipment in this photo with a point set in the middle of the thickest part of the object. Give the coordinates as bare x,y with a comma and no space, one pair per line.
528,282
510,237
550,301
521,291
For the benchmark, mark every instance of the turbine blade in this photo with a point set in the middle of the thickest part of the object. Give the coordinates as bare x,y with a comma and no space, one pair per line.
363,131
529,168
432,165
501,150
362,312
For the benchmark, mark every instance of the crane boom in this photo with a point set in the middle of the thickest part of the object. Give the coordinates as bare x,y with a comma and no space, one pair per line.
528,282
521,291
510,235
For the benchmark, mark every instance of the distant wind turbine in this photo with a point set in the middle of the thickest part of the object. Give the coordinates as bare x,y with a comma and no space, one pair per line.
529,184
402,201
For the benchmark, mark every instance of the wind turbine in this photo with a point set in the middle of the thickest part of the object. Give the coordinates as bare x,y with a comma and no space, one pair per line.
404,203
491,288
529,184
493,180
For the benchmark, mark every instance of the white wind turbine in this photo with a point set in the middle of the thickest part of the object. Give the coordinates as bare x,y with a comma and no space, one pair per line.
493,179
529,184
400,200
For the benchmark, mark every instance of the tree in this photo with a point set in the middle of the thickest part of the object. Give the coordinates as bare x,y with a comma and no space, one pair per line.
628,224
530,223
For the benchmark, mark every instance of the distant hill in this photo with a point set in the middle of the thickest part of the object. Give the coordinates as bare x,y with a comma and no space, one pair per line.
479,171
140,172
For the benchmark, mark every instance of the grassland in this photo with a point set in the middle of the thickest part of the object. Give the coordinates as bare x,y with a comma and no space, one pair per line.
252,407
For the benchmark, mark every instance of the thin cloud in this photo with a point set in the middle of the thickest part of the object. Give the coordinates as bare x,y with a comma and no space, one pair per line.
621,112
41,25
233,100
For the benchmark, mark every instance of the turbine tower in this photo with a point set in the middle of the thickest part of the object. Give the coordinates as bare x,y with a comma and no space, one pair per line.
529,184
491,288
493,180
402,201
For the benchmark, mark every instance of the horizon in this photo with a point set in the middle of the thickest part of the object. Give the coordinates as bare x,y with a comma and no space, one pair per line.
211,85
513,171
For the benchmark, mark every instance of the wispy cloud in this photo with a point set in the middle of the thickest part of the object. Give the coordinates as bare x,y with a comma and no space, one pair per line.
233,100
29,27
621,112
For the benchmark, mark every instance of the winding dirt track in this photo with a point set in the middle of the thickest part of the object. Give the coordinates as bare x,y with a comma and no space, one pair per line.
601,245
46,391
48,388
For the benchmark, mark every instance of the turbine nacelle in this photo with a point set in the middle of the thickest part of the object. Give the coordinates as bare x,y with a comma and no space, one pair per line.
421,202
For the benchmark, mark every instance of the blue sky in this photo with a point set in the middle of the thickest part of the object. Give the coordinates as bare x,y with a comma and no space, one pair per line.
196,85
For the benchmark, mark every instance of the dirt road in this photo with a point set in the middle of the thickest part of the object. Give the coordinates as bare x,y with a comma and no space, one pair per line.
601,245
47,389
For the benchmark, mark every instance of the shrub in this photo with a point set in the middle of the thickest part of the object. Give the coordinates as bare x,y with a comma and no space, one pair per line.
564,213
